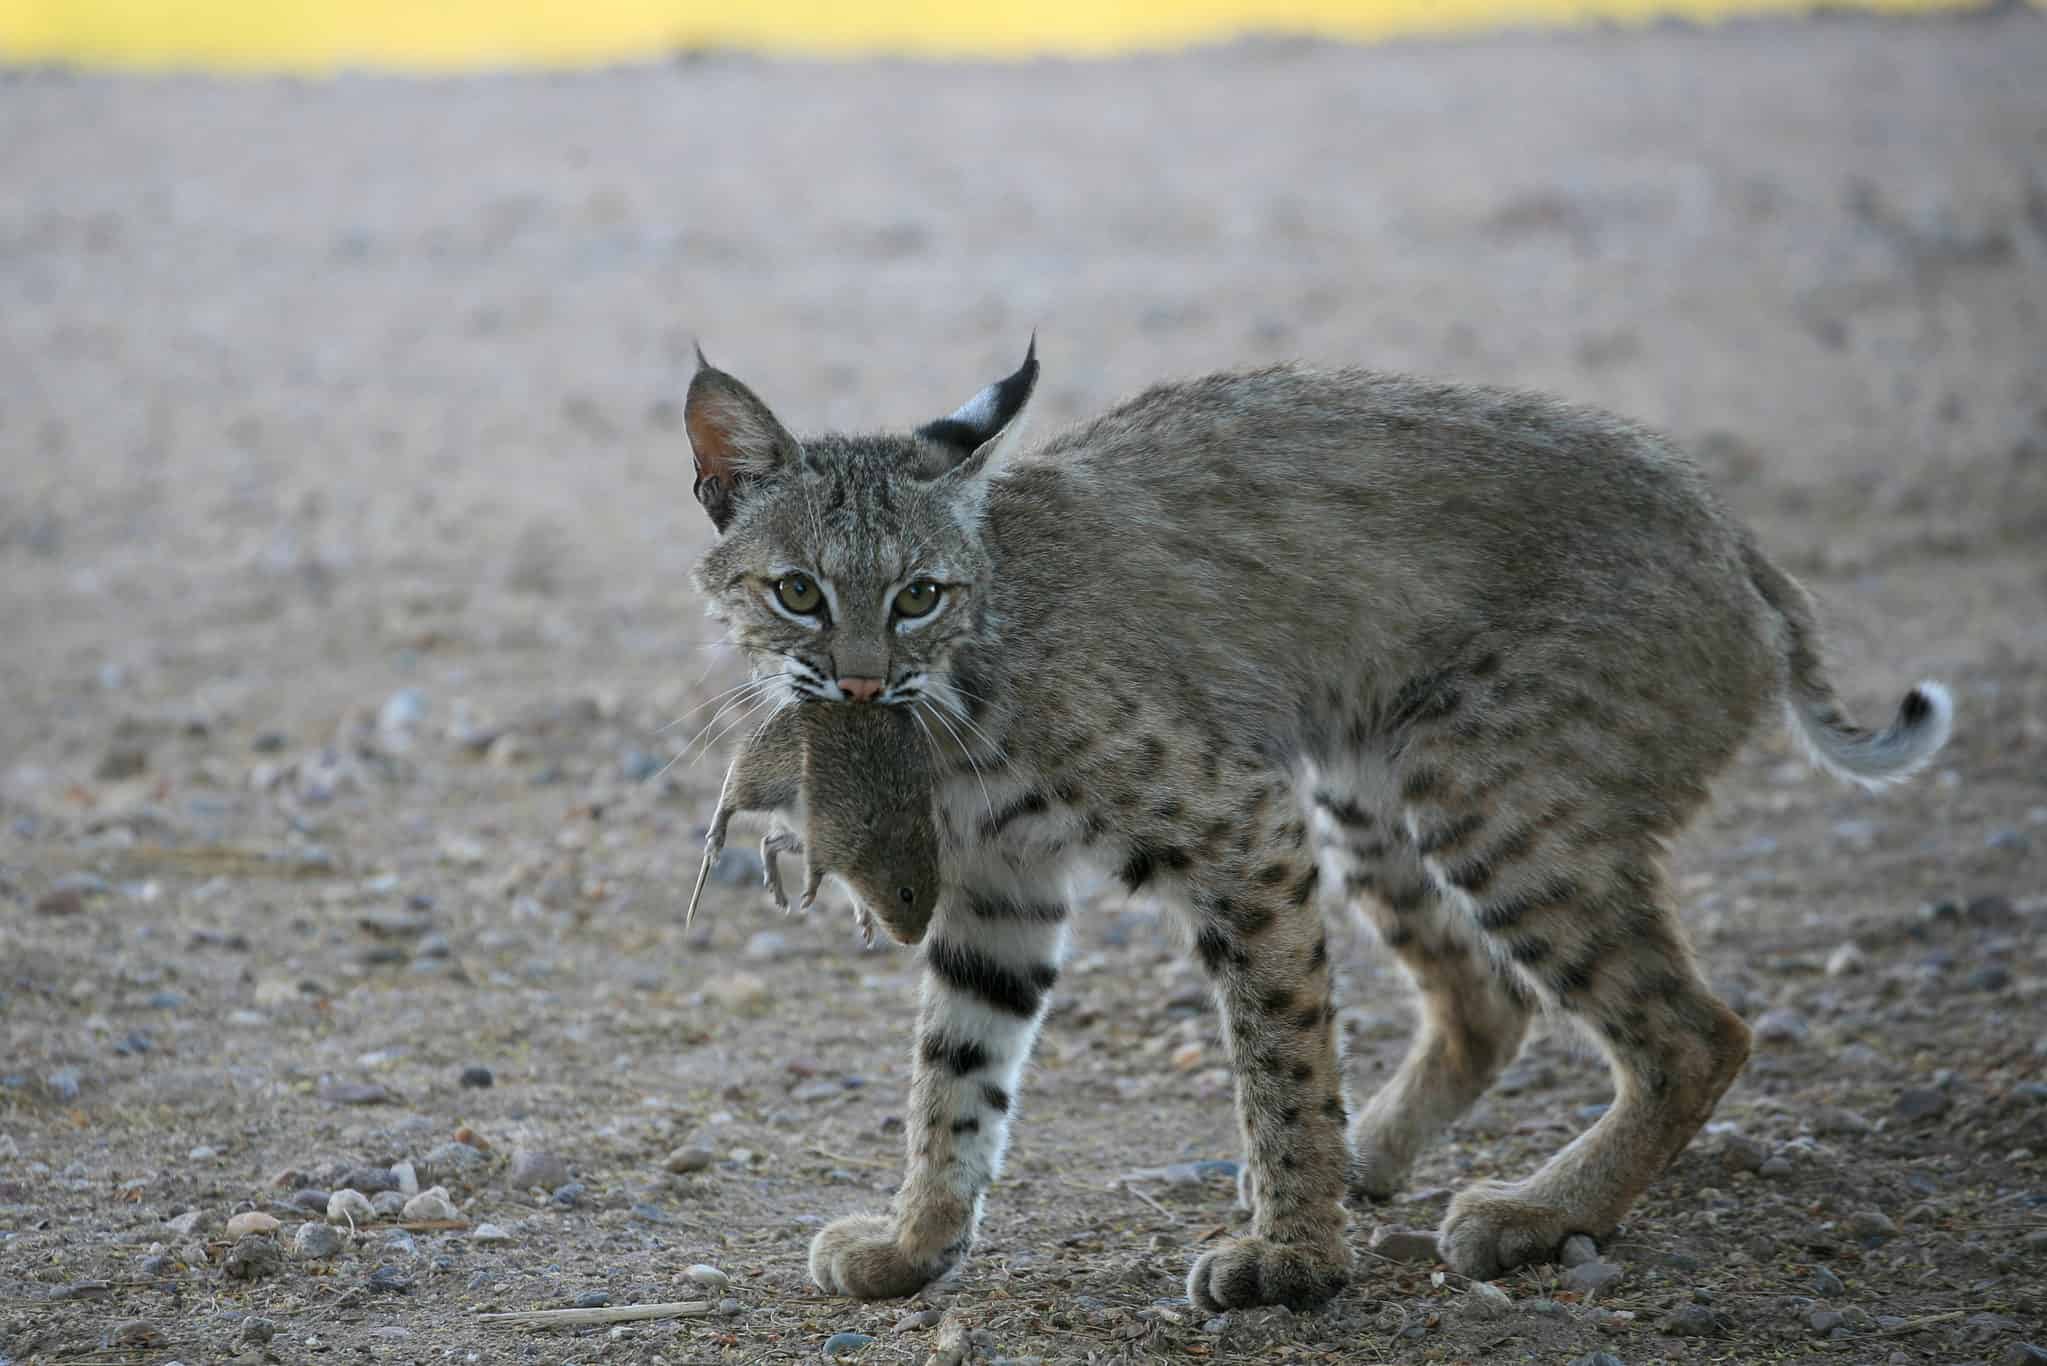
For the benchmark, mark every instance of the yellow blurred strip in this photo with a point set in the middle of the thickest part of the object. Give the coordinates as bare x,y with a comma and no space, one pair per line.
443,35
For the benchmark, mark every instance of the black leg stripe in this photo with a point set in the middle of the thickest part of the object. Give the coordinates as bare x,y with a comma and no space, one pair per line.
957,1056
984,907
997,1098
969,971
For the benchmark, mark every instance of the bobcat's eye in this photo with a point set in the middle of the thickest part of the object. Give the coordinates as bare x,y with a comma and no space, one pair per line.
908,894
919,599
800,594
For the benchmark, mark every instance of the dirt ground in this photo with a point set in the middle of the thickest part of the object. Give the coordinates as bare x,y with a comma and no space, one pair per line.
346,641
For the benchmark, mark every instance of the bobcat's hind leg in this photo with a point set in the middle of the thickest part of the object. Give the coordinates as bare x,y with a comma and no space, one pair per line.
1604,946
1471,1018
1470,1025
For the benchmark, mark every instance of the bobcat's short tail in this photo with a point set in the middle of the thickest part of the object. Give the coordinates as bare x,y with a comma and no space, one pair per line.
1869,758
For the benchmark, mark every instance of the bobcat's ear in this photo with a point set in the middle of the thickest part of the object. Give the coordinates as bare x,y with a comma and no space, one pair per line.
734,437
990,419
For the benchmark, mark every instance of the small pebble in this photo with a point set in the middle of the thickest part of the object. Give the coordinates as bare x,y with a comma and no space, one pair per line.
922,1318
312,1200
316,1242
349,1206
451,1159
593,1299
1404,1244
1740,1153
1990,978
1916,1103
407,1177
388,1204
1489,1298
1869,1223
477,1077
690,1159
1846,961
1826,1284
845,1344
188,1223
430,1206
729,1307
569,1196
537,1167
67,901
1597,1359
2023,1354
740,991
389,1280
1691,1321
251,1221
709,1277
1781,1026
135,1333
353,1093
253,1258
489,1233
1591,1277
1578,1250
1835,1120
1824,1320
256,1328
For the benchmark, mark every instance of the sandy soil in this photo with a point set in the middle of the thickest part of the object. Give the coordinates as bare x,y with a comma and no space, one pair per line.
345,630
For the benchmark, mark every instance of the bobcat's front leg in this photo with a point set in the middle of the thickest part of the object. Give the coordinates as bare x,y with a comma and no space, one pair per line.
1260,939
989,963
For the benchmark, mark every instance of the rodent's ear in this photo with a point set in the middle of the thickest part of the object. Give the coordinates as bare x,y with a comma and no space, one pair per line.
990,420
735,439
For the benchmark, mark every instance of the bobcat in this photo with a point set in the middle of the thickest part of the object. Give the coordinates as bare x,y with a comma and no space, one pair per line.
1464,657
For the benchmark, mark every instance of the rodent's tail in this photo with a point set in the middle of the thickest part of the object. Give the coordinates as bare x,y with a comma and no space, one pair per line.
1869,758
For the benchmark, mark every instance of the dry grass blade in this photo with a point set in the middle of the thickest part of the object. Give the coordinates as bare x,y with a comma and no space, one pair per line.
624,1313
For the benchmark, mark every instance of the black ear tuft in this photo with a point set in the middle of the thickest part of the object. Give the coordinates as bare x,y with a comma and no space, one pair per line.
987,413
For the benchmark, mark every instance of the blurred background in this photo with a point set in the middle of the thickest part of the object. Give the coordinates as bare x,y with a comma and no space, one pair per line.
358,720
319,35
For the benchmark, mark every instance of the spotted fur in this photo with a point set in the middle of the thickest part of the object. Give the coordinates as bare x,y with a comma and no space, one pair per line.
1461,657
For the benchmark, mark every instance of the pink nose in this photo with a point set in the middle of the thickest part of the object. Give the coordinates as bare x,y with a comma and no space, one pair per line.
861,689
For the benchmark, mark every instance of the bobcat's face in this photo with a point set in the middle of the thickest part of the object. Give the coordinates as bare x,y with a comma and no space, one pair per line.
853,576
849,568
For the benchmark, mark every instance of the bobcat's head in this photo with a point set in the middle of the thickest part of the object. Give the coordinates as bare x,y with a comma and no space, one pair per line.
850,568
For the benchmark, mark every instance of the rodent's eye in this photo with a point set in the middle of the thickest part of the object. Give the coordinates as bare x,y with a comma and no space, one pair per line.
800,594
908,894
920,598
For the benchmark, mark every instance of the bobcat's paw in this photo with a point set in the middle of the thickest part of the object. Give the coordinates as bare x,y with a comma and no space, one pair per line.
1493,1228
859,1256
1251,1271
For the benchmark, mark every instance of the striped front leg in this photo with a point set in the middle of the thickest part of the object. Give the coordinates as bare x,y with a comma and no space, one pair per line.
989,962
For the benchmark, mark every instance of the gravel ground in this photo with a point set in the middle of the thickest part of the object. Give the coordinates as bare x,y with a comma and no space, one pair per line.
350,662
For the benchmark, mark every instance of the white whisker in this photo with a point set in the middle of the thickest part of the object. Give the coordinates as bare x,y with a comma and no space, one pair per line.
968,750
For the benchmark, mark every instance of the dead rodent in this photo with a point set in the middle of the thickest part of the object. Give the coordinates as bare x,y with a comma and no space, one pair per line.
850,787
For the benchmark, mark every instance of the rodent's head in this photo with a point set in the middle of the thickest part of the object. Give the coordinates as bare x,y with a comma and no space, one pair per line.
849,568
901,894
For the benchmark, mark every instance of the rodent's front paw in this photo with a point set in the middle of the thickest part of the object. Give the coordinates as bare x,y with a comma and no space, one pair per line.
859,1256
1252,1271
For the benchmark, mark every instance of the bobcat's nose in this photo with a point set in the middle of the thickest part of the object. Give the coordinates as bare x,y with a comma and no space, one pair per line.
861,689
